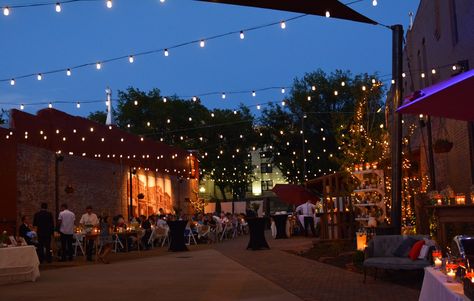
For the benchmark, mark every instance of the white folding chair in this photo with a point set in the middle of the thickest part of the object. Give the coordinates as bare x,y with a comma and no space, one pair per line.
78,243
188,233
117,243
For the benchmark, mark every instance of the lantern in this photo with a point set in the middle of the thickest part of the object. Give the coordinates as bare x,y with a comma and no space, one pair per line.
361,241
460,199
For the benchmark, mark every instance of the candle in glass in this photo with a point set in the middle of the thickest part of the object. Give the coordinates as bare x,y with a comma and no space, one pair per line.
438,262
451,276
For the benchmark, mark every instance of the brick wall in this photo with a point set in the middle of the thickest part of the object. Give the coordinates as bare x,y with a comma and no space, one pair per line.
102,184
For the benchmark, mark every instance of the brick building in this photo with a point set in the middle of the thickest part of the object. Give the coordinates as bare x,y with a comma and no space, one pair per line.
440,44
57,158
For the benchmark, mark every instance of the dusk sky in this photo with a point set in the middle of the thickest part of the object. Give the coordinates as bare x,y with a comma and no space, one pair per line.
38,39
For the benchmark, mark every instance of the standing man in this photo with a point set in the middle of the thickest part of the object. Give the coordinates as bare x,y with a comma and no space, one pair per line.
44,223
307,211
66,230
89,220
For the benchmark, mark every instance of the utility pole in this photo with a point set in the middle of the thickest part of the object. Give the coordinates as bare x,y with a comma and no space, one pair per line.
396,129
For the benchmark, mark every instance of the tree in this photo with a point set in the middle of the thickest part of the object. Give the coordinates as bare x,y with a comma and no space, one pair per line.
222,138
3,116
98,116
304,133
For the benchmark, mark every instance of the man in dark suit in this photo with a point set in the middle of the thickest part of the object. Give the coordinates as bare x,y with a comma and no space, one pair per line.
44,223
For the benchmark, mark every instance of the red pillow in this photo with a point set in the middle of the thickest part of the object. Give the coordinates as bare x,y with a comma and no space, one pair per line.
415,250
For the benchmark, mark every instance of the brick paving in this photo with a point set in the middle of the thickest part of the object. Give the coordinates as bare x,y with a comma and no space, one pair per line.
309,279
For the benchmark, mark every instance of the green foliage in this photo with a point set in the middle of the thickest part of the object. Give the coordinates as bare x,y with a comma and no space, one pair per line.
310,126
221,137
3,116
98,116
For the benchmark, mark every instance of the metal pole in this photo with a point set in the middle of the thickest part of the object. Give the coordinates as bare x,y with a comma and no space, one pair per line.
396,129
430,155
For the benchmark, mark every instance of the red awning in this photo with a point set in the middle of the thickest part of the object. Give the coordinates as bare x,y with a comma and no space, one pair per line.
294,194
452,98
335,8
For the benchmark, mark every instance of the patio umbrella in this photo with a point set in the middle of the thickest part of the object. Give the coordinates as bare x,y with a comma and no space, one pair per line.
293,194
452,98
335,8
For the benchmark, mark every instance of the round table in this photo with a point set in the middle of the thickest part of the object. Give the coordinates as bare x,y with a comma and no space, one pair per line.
176,235
257,233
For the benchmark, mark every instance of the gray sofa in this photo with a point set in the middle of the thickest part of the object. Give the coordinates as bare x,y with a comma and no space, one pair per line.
379,255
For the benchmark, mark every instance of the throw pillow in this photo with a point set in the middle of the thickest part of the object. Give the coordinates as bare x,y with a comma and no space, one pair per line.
415,250
424,251
404,247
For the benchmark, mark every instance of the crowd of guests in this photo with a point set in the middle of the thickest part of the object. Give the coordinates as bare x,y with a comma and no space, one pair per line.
40,231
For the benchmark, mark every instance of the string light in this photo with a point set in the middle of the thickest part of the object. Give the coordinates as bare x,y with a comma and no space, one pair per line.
166,52
78,105
313,88
328,14
433,71
223,96
131,59
68,72
202,43
282,90
22,107
422,75
6,11
98,65
39,76
58,7
109,3
374,3
283,24
242,35
254,94
343,84
50,105
12,82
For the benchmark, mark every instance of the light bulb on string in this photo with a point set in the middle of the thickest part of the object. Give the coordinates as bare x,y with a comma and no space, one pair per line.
78,105
374,3
404,74
283,24
109,3
58,7
433,71
39,76
22,107
282,90
254,93
50,105
131,59
166,52
242,35
328,14
165,99
202,43
6,11
343,84
68,72
258,107
194,98
223,96
12,82
98,65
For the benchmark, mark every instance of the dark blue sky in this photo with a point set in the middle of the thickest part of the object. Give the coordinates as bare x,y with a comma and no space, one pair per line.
39,39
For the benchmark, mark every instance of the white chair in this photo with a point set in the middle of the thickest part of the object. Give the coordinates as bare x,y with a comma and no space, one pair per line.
188,233
161,234
203,231
117,243
78,243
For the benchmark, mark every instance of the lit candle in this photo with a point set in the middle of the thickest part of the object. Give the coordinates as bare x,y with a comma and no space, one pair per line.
460,199
438,263
451,276
440,202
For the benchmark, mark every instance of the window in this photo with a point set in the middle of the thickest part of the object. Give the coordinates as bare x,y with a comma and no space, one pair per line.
266,167
267,185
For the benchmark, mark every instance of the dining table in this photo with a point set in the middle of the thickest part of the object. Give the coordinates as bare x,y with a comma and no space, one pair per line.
436,287
18,264
280,221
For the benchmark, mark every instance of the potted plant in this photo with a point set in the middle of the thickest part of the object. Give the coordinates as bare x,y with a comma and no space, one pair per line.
442,146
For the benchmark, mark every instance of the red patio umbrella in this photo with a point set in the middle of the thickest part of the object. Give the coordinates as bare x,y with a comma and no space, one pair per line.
294,194
452,98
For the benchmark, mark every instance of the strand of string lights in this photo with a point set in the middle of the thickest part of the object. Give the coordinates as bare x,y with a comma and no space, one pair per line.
131,57
57,5
386,78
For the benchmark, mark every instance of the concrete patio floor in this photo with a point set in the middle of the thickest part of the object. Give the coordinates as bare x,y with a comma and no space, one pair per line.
224,271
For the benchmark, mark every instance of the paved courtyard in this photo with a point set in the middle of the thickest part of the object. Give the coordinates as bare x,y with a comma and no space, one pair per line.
224,271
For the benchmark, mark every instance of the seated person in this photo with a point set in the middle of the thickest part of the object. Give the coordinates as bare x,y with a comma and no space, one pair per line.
26,232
